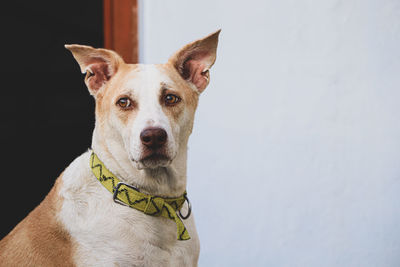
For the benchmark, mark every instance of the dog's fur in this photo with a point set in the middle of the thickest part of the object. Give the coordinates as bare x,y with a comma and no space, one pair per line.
78,224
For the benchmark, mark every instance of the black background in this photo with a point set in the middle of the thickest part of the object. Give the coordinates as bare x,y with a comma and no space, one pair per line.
47,114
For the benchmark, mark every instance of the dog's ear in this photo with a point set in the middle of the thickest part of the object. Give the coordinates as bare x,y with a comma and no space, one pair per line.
98,64
194,60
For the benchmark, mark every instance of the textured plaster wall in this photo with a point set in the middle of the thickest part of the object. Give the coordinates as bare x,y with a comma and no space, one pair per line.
294,159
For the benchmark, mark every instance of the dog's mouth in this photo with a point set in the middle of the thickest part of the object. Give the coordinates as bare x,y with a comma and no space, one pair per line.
153,160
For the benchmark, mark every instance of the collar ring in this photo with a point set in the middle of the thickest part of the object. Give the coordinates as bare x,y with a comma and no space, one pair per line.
189,209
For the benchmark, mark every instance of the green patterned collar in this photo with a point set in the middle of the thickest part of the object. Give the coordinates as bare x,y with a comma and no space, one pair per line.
130,196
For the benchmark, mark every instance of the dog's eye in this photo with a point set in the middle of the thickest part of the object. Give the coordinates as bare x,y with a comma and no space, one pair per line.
171,99
124,102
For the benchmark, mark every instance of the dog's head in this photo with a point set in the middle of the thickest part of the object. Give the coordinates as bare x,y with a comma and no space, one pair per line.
146,110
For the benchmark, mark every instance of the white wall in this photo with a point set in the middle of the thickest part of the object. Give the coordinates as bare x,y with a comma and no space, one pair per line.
294,159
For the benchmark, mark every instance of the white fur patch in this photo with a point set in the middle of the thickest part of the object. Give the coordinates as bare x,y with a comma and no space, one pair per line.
147,86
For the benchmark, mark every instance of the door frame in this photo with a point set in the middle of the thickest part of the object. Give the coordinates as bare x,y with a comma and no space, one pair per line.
121,28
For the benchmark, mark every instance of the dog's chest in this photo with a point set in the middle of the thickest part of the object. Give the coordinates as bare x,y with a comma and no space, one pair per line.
116,237
109,234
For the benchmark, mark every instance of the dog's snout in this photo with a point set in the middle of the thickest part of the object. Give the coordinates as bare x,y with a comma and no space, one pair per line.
153,137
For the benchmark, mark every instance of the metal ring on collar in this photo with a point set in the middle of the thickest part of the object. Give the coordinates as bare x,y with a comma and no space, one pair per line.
189,209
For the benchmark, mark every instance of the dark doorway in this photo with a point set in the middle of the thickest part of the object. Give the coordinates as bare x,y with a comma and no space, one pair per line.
47,114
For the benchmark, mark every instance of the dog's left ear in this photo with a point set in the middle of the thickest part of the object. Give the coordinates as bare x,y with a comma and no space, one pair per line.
194,60
98,64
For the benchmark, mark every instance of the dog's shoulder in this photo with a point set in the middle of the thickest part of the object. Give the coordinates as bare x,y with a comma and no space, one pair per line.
40,239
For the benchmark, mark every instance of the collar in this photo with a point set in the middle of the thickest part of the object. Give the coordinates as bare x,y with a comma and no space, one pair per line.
131,196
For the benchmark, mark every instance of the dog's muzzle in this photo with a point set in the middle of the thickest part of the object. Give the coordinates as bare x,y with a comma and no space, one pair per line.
154,143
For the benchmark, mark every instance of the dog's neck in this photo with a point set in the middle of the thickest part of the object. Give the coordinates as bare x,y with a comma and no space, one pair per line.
162,181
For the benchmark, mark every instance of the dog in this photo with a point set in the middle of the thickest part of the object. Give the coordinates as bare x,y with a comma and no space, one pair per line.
124,201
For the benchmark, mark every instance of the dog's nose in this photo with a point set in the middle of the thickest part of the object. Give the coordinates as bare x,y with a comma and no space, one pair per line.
153,137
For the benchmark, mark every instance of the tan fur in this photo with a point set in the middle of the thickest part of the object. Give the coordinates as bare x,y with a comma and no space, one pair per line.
39,240
103,105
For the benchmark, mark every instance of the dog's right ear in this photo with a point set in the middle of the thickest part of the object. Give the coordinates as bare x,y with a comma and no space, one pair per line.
98,64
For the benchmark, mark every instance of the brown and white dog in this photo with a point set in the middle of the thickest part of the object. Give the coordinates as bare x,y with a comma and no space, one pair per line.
78,224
